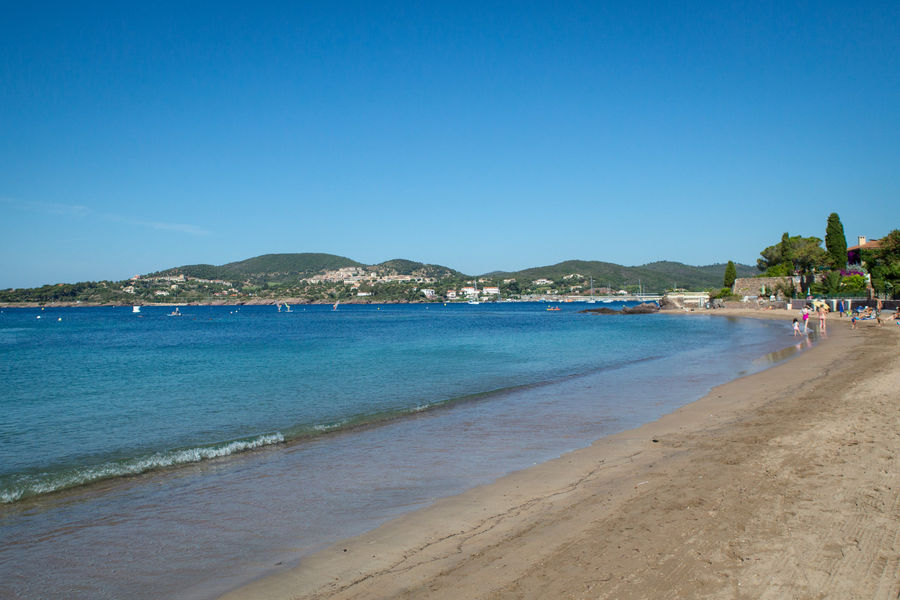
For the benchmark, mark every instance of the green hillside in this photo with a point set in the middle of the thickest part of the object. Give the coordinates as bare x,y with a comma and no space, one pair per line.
201,271
656,276
306,262
402,266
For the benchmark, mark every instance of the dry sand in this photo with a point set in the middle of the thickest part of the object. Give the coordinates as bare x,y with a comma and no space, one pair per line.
782,484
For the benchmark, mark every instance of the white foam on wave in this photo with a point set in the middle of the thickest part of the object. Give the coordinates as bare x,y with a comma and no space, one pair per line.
322,427
44,483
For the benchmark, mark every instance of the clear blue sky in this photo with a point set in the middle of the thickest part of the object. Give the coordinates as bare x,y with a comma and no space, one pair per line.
477,135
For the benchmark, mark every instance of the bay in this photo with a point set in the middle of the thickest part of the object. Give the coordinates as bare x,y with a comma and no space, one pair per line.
152,456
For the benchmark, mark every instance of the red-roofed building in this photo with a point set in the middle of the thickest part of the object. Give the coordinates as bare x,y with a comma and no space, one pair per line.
853,252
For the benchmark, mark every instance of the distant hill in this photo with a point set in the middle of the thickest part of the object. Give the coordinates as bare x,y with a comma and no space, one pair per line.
402,266
267,264
655,276
307,262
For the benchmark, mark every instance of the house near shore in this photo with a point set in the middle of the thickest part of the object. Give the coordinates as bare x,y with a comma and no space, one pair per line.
854,252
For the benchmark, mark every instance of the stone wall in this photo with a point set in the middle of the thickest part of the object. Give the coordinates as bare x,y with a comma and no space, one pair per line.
752,286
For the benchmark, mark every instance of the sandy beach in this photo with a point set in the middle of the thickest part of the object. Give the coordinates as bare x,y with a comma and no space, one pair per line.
781,484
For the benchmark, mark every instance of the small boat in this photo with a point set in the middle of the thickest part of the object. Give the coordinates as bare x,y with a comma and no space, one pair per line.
135,309
175,313
287,307
335,305
474,299
552,308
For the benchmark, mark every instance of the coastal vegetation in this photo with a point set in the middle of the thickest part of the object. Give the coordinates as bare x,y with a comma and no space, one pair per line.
826,271
883,264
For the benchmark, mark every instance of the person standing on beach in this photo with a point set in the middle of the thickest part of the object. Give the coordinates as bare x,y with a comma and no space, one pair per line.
796,327
805,316
841,308
822,312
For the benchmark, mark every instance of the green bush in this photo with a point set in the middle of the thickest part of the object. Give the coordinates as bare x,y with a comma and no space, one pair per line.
784,269
722,294
853,284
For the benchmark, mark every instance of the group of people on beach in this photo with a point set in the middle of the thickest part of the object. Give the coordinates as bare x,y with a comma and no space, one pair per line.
821,312
821,309
873,313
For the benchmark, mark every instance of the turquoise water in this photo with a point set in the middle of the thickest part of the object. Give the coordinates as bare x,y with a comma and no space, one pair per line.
146,422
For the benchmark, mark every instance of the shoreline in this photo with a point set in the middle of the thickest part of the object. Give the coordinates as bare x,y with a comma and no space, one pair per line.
613,519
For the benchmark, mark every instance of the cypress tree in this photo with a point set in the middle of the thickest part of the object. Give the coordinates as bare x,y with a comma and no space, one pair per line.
786,250
730,274
835,242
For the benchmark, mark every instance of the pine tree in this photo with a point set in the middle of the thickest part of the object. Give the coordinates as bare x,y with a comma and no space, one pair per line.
835,242
730,274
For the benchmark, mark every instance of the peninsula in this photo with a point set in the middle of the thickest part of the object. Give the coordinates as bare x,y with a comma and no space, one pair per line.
326,278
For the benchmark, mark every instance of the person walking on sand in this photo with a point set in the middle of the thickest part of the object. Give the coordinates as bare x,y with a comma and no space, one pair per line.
841,308
822,312
796,328
805,317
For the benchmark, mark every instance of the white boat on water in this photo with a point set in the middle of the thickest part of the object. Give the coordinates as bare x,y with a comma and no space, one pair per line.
135,309
474,299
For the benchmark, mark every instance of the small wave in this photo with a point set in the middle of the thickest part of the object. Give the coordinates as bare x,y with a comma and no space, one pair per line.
323,427
24,486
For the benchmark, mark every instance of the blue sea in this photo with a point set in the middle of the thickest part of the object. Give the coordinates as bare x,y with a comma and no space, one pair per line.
144,455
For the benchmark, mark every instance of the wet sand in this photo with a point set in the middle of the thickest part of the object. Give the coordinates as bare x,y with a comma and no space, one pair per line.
781,484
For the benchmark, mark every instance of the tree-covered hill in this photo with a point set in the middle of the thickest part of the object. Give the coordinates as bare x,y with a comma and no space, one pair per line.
268,264
306,262
656,276
401,266
200,271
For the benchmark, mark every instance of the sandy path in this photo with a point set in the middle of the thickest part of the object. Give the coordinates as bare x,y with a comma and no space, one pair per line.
784,484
